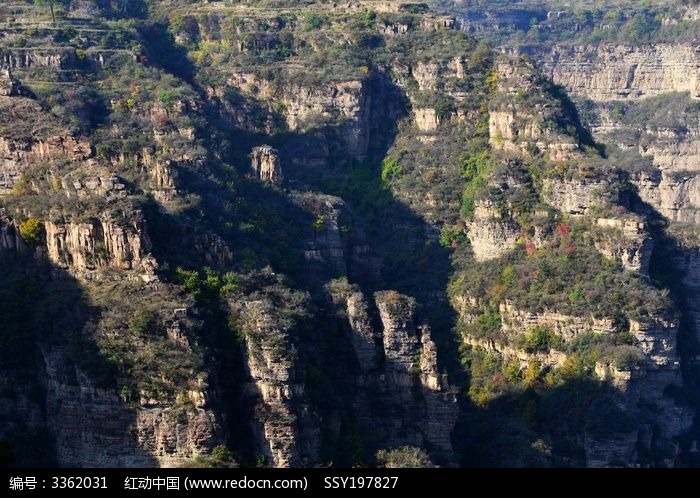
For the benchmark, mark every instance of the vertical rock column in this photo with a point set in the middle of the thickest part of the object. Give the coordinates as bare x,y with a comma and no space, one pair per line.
411,362
287,435
265,163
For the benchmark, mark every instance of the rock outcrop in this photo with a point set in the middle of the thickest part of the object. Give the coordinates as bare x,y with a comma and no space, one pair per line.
364,336
85,247
613,72
56,58
676,196
426,74
491,233
93,424
265,163
305,106
426,120
8,86
522,116
410,359
567,327
28,138
10,239
641,387
286,429
90,426
398,364
16,156
329,241
687,261
674,149
626,241
577,195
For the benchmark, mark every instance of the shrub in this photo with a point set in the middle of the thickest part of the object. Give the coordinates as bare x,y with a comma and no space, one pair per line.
167,97
231,283
31,230
319,222
222,454
189,279
443,108
406,457
144,322
533,373
473,164
314,21
538,339
391,169
627,357
486,324
472,191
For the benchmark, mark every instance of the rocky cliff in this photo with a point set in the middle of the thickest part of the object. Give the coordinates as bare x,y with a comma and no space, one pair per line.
639,100
399,370
81,247
614,72
287,432
316,237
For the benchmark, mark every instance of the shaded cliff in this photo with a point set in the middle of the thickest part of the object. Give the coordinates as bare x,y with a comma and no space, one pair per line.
416,244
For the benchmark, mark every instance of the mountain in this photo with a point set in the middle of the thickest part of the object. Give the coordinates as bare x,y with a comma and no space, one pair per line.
369,233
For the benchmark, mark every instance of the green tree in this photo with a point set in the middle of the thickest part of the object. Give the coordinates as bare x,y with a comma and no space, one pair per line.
144,322
51,4
391,169
539,339
31,230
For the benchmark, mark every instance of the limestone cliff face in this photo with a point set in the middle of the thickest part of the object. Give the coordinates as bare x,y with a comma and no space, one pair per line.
577,196
332,243
8,86
10,238
490,233
399,338
19,151
626,241
265,163
426,74
364,335
398,366
515,321
287,432
58,58
637,81
608,73
15,155
95,426
669,183
518,126
514,131
613,72
216,250
90,425
302,106
676,149
164,178
687,261
641,387
676,196
410,359
88,249
85,247
426,119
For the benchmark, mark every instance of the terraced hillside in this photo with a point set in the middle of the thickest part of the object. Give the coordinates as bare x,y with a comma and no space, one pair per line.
317,233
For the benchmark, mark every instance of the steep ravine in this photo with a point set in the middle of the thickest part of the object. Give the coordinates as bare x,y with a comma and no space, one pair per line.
231,259
642,100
